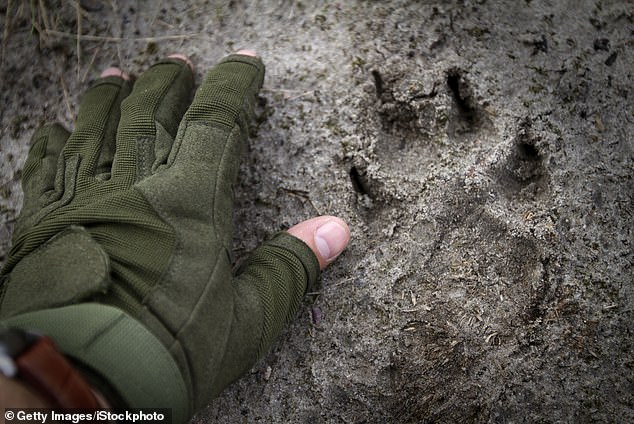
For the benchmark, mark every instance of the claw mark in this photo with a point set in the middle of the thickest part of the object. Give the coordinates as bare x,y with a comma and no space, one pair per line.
461,95
359,183
378,83
528,152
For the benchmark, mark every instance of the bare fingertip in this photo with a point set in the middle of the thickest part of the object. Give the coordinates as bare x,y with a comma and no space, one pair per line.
114,72
327,236
183,58
247,52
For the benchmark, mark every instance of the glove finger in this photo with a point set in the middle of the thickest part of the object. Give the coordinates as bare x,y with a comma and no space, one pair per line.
95,131
212,136
227,95
150,116
269,287
40,168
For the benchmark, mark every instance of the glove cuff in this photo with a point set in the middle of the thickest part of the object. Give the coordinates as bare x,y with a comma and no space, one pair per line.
119,349
301,250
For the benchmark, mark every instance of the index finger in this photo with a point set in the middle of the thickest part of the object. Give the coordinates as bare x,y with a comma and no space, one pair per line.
227,95
212,136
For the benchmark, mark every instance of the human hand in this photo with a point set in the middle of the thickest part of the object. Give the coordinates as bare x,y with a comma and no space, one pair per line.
133,210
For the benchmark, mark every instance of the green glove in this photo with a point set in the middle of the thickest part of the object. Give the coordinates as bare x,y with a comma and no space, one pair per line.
133,211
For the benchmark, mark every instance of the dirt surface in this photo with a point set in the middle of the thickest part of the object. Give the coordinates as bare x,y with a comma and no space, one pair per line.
481,152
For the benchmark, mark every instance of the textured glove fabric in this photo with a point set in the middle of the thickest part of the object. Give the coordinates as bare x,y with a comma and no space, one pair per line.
133,210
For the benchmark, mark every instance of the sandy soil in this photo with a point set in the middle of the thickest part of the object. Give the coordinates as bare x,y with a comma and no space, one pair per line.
481,152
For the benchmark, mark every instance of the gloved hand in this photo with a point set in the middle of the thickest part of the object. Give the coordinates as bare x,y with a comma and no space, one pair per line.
133,212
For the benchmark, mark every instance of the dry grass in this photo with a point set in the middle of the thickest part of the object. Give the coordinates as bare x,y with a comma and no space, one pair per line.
69,23
51,23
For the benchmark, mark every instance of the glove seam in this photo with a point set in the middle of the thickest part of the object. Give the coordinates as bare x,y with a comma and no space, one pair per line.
221,166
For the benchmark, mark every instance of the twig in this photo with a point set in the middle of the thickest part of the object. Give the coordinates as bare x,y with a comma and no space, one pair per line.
303,194
45,22
297,192
287,93
342,282
43,15
7,26
157,9
67,97
92,61
120,39
78,47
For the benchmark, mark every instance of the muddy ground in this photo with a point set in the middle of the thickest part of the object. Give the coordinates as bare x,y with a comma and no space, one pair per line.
481,152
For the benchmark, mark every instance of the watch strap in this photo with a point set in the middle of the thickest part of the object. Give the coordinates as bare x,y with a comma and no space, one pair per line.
43,367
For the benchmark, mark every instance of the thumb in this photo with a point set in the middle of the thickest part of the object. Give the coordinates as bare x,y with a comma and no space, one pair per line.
327,237
270,284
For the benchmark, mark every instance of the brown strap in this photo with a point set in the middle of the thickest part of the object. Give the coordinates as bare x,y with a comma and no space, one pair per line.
48,371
